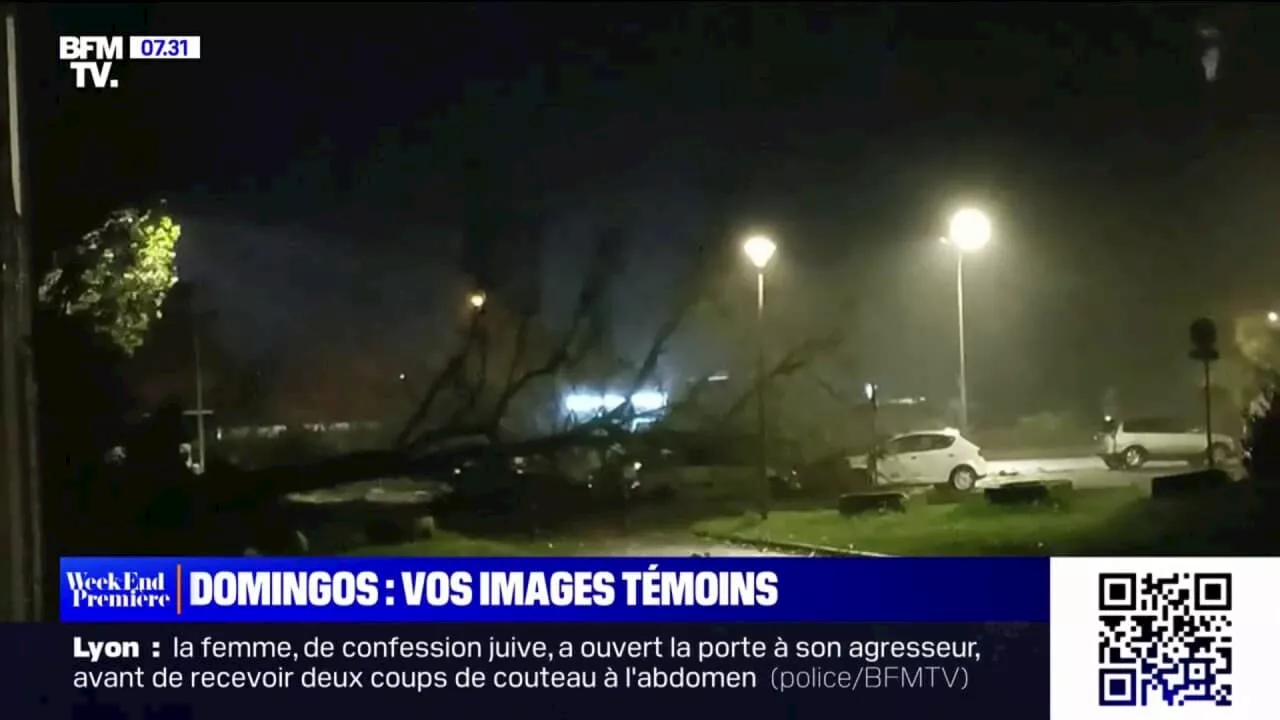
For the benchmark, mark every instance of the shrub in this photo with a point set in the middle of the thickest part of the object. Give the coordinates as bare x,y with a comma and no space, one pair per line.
1262,436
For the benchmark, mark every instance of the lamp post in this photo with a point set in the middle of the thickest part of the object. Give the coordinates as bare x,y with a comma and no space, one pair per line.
873,458
759,250
198,321
22,582
969,231
200,411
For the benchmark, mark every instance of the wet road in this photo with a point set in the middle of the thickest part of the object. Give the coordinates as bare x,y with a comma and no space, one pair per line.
1083,472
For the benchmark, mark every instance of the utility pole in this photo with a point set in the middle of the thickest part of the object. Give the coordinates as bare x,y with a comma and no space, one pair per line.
1204,348
200,411
762,422
963,376
759,250
23,510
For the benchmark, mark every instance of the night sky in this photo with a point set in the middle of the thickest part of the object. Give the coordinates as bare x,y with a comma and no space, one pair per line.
322,158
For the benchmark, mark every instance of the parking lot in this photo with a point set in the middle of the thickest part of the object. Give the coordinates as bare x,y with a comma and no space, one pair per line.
1083,471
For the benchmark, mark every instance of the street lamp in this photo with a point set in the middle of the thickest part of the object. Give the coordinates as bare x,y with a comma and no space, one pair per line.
969,231
1273,317
759,250
476,300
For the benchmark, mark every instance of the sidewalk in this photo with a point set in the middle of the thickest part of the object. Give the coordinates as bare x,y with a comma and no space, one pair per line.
1040,453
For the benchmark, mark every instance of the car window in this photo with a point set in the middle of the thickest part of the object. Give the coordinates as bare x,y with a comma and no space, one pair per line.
1153,425
938,442
907,444
898,445
1141,425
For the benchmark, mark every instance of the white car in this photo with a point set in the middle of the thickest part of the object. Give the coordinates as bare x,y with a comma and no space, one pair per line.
1128,445
933,457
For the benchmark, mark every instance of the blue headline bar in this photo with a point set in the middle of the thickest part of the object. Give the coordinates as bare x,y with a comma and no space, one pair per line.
554,590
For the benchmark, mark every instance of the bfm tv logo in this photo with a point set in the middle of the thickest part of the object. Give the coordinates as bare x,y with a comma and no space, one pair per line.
91,58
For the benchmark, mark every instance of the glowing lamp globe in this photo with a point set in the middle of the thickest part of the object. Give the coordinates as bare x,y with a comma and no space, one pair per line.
759,250
970,230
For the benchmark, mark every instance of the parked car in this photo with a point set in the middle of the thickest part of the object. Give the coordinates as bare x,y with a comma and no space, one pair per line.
1130,444
934,457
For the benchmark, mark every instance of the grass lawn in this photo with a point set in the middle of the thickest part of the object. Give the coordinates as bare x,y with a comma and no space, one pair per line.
449,544
1122,521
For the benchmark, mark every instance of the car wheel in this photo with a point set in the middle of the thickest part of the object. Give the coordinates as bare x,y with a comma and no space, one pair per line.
963,478
1134,457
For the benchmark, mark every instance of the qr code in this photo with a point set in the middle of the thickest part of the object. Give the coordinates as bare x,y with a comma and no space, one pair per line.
1165,639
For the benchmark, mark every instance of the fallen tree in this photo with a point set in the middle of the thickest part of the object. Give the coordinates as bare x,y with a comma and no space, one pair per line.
478,405
468,409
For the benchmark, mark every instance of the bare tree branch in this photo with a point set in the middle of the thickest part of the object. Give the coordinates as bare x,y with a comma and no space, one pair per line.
832,391
521,347
578,341
447,376
794,360
572,349
423,451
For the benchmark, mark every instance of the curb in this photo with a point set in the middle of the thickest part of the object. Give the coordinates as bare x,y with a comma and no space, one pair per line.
789,547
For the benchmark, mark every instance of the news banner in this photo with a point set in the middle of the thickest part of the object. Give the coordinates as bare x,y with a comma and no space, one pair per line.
582,637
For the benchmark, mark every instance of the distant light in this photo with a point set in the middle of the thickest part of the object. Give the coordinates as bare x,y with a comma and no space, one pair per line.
583,403
1210,61
401,376
1273,317
644,401
476,299
648,401
718,377
1212,56
870,390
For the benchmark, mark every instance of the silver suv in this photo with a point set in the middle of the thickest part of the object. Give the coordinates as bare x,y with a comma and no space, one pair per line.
1129,444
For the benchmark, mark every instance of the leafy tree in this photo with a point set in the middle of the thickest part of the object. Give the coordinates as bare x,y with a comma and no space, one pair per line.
1258,341
117,277
95,307
1250,358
